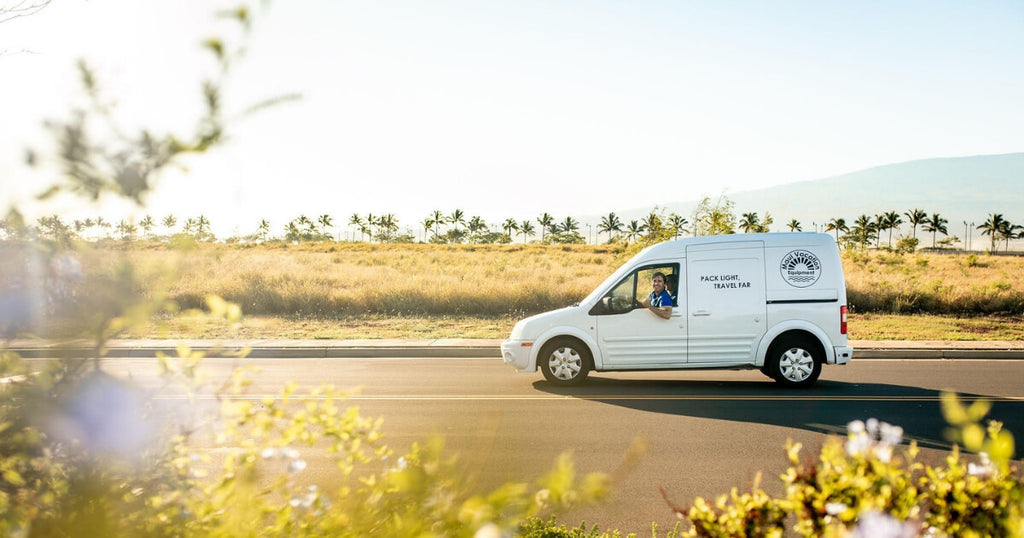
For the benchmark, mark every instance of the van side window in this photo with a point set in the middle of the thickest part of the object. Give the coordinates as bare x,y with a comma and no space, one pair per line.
623,296
672,285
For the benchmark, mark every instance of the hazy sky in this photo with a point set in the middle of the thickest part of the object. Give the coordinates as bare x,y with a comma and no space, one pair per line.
514,108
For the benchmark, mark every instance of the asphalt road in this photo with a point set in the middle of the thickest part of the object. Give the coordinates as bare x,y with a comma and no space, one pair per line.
706,431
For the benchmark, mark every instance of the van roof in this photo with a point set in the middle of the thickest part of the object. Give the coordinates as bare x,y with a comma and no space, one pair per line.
770,239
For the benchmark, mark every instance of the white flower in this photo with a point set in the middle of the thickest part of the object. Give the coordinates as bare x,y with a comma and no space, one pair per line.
883,453
878,525
295,465
982,469
304,501
543,497
890,434
834,509
873,438
489,530
872,426
858,444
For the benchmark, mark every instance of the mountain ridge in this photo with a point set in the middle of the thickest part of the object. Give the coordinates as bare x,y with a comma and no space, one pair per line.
959,189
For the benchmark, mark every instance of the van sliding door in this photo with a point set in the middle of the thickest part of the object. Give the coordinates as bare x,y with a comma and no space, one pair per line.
726,305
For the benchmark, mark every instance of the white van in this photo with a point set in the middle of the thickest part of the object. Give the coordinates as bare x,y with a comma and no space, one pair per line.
773,301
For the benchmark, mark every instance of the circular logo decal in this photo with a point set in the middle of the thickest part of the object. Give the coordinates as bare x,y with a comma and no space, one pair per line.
800,268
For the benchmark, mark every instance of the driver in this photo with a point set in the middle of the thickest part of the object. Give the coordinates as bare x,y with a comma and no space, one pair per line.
658,301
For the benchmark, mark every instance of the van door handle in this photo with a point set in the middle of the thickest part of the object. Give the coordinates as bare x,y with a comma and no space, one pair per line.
701,313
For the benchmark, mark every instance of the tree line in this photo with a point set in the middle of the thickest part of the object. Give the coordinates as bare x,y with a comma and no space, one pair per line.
456,227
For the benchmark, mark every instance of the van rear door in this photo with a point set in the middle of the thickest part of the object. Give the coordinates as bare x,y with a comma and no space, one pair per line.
726,307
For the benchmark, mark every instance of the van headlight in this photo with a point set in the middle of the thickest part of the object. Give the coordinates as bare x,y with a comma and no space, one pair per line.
517,331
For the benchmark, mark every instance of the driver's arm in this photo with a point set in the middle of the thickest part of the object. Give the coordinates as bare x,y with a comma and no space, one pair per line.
664,312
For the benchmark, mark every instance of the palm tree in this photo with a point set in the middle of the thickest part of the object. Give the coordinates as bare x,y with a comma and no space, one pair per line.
203,228
388,225
510,225
325,222
263,231
877,229
457,217
610,224
147,224
368,225
892,221
651,223
545,220
169,222
916,217
837,225
678,224
476,224
427,224
750,223
1010,231
126,229
357,221
934,225
569,226
863,229
634,230
438,218
992,228
794,226
526,229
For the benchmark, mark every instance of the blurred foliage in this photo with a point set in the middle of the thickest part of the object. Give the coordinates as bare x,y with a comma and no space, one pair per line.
85,454
861,486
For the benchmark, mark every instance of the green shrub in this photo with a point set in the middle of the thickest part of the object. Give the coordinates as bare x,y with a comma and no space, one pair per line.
862,486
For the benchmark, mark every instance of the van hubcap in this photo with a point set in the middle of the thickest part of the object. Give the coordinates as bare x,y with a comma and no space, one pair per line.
565,363
796,364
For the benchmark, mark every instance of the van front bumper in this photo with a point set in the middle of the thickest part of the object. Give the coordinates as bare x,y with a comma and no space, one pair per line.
517,354
843,354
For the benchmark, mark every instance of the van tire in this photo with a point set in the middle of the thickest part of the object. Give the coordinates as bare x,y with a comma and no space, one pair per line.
564,361
794,361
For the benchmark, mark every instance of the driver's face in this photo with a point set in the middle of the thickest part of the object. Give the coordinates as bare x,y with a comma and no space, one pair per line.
658,283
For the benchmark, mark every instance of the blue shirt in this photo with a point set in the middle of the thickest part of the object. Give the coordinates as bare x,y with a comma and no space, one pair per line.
660,300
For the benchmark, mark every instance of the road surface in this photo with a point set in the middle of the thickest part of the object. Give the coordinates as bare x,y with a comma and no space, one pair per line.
706,431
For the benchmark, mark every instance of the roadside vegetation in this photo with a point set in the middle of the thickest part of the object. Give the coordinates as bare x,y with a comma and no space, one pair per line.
363,290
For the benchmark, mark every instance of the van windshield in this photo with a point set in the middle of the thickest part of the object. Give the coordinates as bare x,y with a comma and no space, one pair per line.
612,279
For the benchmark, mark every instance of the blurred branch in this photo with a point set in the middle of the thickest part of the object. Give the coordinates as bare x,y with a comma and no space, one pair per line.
21,8
98,156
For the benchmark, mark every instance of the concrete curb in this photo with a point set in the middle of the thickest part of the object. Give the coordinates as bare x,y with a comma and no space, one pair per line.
459,348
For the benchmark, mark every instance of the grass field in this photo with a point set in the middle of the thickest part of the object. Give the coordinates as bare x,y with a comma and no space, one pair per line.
344,290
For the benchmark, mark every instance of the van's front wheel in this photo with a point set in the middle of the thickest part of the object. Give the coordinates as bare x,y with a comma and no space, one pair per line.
795,362
564,361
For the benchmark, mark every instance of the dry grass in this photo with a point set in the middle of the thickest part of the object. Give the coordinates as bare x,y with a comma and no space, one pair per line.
402,280
934,283
440,291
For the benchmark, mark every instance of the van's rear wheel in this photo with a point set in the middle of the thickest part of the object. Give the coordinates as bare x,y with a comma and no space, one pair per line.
564,361
795,362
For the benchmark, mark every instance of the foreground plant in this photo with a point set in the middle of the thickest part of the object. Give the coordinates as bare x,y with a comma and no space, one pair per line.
863,487
92,455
